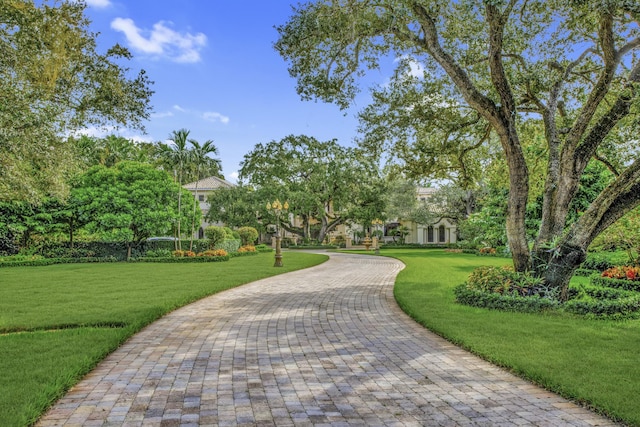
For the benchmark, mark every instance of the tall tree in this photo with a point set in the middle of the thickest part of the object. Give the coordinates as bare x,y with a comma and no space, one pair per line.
199,158
130,202
175,157
53,81
322,181
573,64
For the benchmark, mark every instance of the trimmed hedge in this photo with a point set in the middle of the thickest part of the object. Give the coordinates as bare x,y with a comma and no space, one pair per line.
185,259
585,272
52,261
502,302
620,308
629,285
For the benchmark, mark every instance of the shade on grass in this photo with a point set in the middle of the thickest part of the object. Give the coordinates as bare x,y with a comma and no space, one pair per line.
595,362
57,322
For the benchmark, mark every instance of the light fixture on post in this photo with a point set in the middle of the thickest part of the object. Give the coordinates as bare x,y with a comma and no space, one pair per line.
278,208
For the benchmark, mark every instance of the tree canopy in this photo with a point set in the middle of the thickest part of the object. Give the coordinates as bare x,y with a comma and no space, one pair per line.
322,181
53,81
573,66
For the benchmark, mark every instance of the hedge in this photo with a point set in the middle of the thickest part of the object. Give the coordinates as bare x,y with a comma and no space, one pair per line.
185,259
502,302
610,308
607,282
52,261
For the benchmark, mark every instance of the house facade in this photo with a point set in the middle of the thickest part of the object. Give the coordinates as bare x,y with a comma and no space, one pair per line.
440,232
201,191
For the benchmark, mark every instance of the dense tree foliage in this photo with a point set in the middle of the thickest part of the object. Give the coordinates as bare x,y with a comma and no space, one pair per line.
324,183
53,81
131,202
573,65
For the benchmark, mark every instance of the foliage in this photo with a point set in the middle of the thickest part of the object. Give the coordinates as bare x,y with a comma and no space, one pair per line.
53,81
157,253
470,75
622,272
624,234
247,248
229,245
237,206
215,234
248,235
322,181
617,283
505,302
129,202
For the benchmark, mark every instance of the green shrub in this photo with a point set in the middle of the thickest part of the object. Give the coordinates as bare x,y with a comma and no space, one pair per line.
158,253
263,248
215,235
630,285
186,259
231,246
597,262
508,302
248,235
619,308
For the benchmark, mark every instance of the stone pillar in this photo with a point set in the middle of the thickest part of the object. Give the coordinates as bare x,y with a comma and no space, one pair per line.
347,242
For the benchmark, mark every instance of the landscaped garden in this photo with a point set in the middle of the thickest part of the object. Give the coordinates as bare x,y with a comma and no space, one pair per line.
57,322
591,360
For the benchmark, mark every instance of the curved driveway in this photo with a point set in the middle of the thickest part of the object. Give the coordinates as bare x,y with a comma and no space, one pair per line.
322,346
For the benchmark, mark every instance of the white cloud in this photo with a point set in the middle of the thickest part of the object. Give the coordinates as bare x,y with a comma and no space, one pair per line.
162,41
179,108
416,69
162,115
102,132
233,176
100,4
215,117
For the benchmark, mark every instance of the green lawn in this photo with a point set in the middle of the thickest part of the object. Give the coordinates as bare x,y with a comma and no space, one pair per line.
594,362
58,322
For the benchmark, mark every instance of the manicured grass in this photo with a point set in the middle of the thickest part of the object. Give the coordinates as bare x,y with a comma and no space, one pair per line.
594,362
58,322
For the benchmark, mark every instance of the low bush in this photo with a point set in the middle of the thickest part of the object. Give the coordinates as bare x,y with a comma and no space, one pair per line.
618,308
622,272
158,253
214,252
506,302
51,261
263,248
630,285
228,245
186,259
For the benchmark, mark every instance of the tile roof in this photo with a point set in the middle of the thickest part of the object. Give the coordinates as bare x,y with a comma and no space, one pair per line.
210,183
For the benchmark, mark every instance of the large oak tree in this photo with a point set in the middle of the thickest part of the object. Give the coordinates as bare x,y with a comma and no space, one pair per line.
53,81
572,64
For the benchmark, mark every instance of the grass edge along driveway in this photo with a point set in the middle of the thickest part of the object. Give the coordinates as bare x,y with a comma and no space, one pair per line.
57,322
593,362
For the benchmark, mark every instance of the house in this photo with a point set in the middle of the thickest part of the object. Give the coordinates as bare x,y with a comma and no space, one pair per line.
201,191
440,232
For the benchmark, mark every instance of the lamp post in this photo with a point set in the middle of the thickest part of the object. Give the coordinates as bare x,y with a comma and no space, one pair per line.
377,223
277,208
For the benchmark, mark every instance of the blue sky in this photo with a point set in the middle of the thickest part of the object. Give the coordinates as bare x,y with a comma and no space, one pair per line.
216,73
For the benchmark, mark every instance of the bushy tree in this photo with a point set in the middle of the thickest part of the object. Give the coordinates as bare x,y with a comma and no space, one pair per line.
54,81
248,235
215,235
130,202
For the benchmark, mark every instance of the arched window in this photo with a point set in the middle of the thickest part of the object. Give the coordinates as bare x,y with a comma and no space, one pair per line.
430,234
441,237
201,233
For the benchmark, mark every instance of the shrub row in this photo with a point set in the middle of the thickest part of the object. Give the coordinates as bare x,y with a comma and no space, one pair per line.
185,259
609,308
505,302
52,261
629,285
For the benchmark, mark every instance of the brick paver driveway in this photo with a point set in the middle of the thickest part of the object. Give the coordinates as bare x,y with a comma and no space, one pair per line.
322,346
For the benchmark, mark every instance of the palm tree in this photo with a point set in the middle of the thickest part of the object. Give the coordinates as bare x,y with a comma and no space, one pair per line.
200,157
176,156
